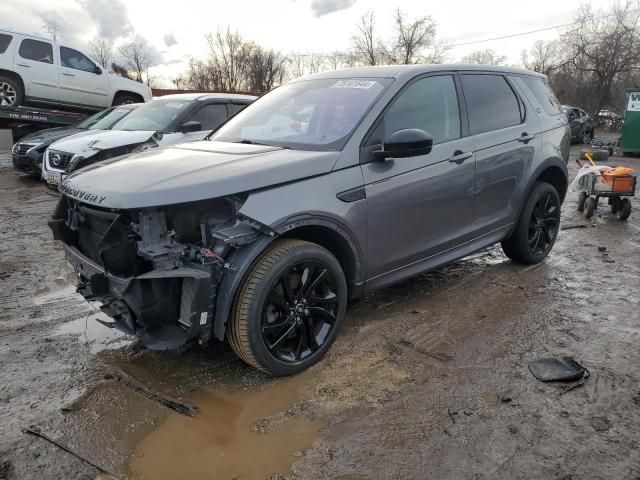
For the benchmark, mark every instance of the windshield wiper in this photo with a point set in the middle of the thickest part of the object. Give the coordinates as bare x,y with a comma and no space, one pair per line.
253,142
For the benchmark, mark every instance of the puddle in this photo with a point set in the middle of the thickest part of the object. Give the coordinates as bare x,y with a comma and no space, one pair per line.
97,336
249,435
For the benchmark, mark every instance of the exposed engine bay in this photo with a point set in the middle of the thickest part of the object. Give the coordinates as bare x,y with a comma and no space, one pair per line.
156,271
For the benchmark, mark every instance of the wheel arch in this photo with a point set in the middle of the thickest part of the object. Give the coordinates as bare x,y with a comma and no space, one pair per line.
126,92
16,77
324,232
555,176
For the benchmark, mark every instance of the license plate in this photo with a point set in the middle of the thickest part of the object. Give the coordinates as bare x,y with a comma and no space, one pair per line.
54,178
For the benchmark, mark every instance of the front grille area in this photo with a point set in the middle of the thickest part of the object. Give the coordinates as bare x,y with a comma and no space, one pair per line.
22,148
105,238
59,160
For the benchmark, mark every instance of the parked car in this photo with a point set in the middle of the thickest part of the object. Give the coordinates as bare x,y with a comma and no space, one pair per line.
165,121
38,71
261,233
28,152
581,124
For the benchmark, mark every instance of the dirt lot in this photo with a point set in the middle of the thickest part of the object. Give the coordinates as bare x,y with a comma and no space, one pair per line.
428,379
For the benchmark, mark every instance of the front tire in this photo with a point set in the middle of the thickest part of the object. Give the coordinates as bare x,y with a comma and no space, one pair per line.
537,228
289,308
624,209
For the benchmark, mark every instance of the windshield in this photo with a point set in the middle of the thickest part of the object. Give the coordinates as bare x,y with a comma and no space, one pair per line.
106,122
156,115
310,114
90,121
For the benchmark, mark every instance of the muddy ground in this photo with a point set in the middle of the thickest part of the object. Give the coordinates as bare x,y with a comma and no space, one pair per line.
428,379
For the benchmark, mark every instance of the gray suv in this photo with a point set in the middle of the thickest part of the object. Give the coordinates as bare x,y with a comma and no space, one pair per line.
325,189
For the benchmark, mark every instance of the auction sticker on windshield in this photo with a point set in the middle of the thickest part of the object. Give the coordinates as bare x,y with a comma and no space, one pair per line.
354,84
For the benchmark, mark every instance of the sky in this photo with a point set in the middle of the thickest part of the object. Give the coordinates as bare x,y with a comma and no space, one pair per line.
175,30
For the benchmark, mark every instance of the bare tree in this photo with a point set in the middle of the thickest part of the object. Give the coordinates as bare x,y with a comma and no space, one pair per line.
412,36
227,52
543,57
366,45
137,58
52,28
120,70
102,51
436,53
484,57
602,49
265,69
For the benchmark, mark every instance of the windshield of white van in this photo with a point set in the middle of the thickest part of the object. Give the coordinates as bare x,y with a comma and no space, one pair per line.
309,114
155,116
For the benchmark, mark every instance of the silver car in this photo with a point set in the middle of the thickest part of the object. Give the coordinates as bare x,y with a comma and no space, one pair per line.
325,189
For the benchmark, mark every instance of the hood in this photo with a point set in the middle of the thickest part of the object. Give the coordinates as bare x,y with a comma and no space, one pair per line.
95,141
191,172
50,135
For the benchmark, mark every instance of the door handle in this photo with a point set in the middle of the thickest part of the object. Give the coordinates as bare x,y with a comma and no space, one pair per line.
23,65
525,137
68,74
460,156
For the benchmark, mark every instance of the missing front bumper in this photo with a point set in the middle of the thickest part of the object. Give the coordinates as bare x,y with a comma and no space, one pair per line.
164,308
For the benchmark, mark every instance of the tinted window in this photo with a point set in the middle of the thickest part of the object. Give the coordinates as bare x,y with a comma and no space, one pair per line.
430,104
73,59
36,50
157,115
543,94
5,40
210,116
491,103
235,108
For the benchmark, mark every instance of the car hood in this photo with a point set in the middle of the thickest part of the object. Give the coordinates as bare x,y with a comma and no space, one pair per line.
50,135
190,172
98,140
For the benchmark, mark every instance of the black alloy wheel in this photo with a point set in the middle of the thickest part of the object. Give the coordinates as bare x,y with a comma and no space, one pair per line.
289,307
300,311
543,225
537,228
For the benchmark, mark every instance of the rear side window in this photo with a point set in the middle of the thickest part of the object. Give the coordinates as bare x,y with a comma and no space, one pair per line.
210,116
5,40
430,104
70,58
36,50
492,103
543,94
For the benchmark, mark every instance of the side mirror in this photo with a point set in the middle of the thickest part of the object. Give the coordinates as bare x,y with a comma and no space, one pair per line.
97,70
190,126
572,116
408,142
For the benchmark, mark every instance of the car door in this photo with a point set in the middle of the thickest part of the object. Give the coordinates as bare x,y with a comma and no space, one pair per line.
82,81
34,60
422,205
575,122
506,139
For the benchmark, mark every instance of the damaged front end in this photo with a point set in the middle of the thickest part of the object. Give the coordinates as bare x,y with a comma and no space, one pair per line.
156,271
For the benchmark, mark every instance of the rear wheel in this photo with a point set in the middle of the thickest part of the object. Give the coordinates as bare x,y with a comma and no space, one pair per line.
624,209
289,308
537,228
11,93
